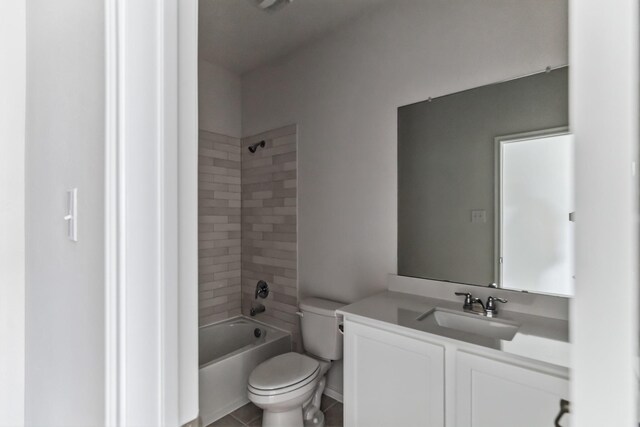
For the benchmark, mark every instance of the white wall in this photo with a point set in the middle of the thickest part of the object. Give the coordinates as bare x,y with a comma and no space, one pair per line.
604,118
219,99
65,148
343,93
12,267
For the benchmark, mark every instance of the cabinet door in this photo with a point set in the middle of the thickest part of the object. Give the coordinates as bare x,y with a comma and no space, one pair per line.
391,380
492,393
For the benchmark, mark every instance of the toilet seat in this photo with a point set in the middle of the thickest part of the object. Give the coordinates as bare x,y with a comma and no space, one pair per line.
283,374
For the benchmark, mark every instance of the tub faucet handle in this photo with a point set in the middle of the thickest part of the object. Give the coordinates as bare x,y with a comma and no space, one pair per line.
262,289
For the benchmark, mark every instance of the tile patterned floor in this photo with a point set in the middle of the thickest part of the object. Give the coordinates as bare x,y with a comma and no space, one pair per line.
251,416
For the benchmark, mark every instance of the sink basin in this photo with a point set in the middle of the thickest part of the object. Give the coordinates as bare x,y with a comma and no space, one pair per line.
488,327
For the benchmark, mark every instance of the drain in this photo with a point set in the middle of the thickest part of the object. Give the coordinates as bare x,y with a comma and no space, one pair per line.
257,332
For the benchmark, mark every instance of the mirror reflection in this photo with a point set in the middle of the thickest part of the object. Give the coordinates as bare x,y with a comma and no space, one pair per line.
485,186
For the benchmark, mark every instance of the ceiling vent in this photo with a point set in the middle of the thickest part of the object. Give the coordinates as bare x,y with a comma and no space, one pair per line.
271,5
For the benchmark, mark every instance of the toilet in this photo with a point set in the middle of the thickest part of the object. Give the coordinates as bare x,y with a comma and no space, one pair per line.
289,387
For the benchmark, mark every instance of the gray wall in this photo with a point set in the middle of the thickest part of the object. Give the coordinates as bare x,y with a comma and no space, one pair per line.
219,99
270,226
65,148
218,227
344,91
446,168
12,222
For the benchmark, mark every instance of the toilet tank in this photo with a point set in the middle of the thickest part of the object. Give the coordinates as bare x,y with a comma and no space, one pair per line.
320,334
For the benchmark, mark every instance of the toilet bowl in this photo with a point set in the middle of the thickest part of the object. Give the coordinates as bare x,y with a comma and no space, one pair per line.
281,385
289,387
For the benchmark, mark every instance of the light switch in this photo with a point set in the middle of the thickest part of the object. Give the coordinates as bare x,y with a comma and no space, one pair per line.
72,215
478,216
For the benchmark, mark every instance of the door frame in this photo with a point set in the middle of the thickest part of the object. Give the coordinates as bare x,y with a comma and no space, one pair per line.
604,120
151,105
499,143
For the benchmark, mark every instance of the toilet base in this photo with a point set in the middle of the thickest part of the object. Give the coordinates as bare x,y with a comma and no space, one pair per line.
316,421
292,418
283,410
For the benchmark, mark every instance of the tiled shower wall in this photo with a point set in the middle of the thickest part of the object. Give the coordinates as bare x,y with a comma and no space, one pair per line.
248,231
218,227
269,227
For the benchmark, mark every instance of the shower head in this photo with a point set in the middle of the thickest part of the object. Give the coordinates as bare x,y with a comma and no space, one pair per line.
254,147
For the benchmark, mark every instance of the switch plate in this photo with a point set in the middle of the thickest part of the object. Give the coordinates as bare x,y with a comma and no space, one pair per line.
478,216
72,214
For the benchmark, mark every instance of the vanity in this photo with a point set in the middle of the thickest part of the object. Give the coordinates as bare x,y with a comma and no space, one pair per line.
401,367
473,331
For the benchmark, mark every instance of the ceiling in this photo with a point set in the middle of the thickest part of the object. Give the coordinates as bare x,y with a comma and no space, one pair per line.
239,36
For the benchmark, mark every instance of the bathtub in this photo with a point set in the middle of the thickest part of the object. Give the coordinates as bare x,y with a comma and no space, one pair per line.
228,352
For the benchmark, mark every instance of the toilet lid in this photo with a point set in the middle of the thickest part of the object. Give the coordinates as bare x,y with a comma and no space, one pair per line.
283,371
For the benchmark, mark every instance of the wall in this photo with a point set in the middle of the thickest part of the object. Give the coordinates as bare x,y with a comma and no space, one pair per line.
219,116
12,186
219,227
65,350
269,227
219,99
344,91
604,118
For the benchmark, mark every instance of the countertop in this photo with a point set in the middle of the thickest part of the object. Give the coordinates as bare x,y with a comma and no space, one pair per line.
538,338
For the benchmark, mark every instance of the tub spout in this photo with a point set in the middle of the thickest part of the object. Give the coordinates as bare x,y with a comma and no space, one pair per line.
259,308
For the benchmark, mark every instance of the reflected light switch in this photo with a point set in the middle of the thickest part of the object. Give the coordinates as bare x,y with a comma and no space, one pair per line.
478,216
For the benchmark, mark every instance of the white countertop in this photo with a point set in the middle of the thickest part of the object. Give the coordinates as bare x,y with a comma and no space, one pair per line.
538,338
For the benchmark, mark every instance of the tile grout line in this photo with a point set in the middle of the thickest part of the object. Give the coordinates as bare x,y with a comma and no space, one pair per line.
255,418
238,420
242,422
330,406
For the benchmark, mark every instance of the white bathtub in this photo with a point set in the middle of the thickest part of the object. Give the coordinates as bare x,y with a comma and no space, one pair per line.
228,352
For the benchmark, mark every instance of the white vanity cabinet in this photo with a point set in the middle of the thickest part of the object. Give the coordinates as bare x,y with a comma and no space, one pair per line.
491,393
406,378
391,380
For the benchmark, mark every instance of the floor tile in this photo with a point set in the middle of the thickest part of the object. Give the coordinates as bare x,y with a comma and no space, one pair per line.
247,413
255,423
333,416
326,402
226,421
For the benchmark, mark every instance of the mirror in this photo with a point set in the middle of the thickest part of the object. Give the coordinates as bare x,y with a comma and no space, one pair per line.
485,186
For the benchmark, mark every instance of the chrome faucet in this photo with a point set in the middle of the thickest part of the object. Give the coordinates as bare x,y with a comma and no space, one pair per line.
262,291
489,310
258,308
479,301
470,301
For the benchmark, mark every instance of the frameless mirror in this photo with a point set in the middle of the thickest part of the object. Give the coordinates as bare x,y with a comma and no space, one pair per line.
485,186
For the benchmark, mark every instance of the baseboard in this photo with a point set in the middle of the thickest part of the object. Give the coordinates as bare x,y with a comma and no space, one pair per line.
196,422
334,394
225,411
